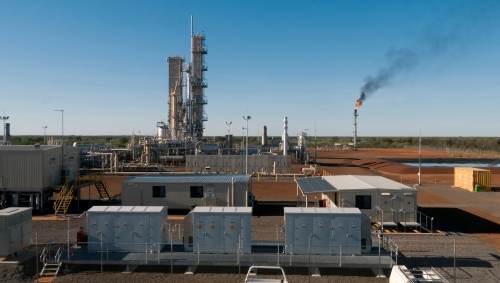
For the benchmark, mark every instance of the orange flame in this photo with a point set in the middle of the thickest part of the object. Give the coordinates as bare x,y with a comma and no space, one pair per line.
358,103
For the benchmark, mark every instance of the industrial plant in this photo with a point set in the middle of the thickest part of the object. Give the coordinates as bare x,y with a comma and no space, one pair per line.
207,212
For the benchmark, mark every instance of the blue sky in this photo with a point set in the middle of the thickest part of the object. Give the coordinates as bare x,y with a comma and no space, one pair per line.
103,62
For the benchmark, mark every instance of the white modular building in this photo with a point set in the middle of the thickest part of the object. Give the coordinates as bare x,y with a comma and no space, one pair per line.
183,191
382,199
127,228
218,230
323,230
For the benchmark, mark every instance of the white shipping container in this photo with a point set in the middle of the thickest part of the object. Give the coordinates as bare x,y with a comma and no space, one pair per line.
15,229
218,229
322,230
127,228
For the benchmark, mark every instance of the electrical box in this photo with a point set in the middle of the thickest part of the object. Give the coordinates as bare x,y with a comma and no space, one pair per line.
127,228
218,229
322,230
15,229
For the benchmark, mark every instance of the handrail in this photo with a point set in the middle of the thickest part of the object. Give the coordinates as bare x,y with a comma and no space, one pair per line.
57,257
62,193
43,255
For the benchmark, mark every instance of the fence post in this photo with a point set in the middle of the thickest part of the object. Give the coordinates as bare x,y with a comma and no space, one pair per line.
158,253
36,254
278,253
172,255
146,252
454,262
340,256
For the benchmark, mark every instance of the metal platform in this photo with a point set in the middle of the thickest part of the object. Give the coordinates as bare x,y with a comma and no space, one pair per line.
409,224
370,259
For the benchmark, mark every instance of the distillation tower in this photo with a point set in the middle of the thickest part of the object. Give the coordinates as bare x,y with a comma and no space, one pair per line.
186,101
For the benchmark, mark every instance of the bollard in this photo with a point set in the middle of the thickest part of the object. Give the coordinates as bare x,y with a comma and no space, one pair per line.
258,176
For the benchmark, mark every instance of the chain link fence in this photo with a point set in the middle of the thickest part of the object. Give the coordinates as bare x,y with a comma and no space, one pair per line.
457,257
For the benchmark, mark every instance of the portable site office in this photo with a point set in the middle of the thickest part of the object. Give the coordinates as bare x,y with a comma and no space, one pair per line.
183,191
385,201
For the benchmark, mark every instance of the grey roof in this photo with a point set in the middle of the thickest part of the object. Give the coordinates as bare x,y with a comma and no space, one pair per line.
189,178
28,147
222,209
348,183
127,209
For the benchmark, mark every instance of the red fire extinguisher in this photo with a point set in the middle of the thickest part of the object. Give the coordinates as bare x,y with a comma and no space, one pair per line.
80,237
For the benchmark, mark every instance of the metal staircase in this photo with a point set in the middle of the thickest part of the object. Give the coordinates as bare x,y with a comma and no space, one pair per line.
101,186
67,192
64,198
50,266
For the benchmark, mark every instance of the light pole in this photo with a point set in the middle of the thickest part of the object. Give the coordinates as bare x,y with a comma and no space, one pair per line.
44,134
62,144
419,157
315,146
74,217
229,129
4,118
246,148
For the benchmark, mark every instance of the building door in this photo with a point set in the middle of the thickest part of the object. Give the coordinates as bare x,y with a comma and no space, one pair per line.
199,233
303,229
232,232
141,232
106,225
213,233
124,230
354,234
320,241
386,204
338,234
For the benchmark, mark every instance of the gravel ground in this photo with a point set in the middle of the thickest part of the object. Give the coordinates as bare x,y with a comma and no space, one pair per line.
485,201
211,274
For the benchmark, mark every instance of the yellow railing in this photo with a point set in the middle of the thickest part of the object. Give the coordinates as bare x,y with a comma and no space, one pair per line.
60,197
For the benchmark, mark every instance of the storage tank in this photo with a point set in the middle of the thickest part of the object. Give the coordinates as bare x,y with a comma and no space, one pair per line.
15,229
210,229
264,135
161,130
323,230
126,228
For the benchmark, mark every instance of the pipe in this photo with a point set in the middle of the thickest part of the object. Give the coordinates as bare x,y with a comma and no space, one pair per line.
285,136
232,191
355,137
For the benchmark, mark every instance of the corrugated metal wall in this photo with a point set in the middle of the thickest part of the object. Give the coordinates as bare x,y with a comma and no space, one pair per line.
236,163
22,170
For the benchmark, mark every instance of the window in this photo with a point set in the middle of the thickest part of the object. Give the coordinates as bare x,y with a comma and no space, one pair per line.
158,191
196,191
364,202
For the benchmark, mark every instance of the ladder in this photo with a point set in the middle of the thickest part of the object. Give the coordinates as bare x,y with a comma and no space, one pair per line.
50,267
101,186
65,197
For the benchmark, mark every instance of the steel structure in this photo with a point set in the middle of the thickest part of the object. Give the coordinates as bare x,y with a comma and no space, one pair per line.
186,101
